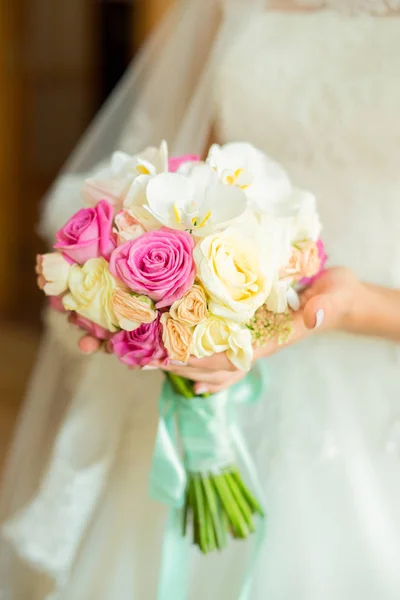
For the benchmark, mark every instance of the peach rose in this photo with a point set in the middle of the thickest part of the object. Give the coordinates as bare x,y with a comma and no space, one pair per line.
293,269
192,308
177,338
52,273
304,262
310,259
132,309
127,227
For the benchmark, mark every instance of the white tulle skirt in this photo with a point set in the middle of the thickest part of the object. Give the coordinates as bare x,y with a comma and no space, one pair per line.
78,523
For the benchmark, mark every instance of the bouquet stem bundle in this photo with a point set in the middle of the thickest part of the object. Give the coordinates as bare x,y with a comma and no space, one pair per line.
217,503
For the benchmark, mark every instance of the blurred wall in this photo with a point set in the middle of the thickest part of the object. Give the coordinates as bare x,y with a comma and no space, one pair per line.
47,96
58,61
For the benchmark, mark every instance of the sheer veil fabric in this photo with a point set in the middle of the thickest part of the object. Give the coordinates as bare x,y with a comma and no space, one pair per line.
165,94
69,434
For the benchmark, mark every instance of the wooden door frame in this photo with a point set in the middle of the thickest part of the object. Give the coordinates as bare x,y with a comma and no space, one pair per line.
10,140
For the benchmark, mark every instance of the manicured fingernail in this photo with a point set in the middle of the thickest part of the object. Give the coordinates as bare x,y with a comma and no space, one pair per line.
201,389
178,363
149,368
319,317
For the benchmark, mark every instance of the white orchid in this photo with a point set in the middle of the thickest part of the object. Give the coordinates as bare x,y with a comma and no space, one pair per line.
241,164
114,182
197,201
299,211
135,203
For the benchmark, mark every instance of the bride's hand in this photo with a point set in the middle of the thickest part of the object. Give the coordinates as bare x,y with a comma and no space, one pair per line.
328,304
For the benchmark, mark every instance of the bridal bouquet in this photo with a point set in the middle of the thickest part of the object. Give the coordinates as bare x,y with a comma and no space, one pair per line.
178,257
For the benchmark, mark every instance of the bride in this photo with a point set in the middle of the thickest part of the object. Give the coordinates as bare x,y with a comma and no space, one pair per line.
313,83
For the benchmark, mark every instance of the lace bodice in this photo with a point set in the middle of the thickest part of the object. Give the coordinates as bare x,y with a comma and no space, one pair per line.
378,7
320,93
375,7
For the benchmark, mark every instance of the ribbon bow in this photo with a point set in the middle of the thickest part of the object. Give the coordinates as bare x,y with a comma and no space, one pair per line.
210,435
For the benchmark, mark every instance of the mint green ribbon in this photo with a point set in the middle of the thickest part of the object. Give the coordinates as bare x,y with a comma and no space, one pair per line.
211,440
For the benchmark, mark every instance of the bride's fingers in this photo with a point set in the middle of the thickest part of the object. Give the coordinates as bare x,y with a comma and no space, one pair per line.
319,311
88,344
217,362
204,387
306,296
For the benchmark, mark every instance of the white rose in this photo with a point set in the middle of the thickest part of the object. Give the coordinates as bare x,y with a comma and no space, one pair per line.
91,289
221,335
228,266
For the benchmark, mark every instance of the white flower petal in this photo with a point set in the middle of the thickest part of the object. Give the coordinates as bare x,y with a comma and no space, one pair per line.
264,180
136,195
186,167
168,192
277,299
119,160
293,299
224,202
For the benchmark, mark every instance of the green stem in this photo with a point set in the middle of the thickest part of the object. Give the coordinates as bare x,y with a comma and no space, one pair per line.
201,515
211,539
241,501
229,504
212,503
181,385
251,500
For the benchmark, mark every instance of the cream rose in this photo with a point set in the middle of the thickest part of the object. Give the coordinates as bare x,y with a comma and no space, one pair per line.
52,270
221,335
132,309
192,308
177,338
91,288
228,266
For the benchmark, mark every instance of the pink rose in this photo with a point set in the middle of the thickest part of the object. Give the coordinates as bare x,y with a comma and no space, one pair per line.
88,234
175,162
140,347
314,264
56,303
92,328
158,264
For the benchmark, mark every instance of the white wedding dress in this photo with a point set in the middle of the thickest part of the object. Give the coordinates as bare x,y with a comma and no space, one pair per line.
320,92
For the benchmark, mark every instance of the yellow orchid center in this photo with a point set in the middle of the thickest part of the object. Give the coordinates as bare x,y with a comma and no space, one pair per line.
177,214
204,221
232,179
142,170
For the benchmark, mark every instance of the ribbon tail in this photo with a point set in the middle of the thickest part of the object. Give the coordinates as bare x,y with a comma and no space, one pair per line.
168,485
260,533
175,556
167,482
